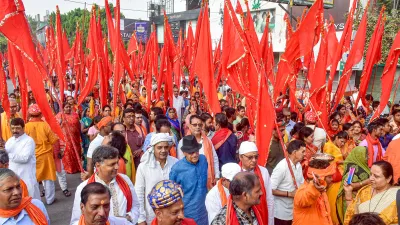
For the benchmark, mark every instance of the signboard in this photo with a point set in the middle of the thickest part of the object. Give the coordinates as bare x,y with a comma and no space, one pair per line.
259,18
175,28
141,29
193,4
327,3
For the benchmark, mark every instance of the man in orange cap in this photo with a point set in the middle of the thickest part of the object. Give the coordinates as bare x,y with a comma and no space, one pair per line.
311,204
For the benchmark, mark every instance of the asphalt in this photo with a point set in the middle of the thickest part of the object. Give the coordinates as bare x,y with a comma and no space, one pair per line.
60,211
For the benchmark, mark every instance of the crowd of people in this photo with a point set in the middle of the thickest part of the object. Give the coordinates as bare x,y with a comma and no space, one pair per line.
175,163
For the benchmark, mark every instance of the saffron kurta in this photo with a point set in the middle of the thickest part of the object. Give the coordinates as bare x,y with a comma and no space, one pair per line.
5,126
193,179
44,139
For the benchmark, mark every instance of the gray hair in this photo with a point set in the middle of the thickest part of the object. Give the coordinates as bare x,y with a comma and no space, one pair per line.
4,157
6,173
104,152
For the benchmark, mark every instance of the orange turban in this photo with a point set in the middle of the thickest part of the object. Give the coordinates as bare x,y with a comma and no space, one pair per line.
103,122
322,173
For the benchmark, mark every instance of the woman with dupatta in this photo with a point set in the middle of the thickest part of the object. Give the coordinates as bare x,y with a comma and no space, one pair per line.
173,120
86,123
71,127
379,197
306,134
358,134
356,159
333,128
334,148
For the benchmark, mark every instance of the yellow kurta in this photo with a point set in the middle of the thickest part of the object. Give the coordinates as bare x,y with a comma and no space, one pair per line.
5,126
44,139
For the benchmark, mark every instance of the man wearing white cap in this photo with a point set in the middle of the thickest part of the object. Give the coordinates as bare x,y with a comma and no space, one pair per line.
155,165
248,154
217,197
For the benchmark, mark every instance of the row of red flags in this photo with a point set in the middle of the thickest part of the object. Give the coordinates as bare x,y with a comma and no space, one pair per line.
246,62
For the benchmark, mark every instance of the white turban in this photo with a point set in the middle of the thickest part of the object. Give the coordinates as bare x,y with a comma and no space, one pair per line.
246,147
229,170
148,157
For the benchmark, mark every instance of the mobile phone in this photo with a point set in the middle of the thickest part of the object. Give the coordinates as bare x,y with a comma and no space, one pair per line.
351,175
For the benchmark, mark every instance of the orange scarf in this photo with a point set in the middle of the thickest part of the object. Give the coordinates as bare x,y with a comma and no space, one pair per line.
232,219
185,221
35,214
124,188
371,142
262,207
220,137
210,159
82,221
172,151
141,130
24,188
222,194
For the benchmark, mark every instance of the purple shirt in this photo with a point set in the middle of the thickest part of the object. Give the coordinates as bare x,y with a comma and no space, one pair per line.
364,143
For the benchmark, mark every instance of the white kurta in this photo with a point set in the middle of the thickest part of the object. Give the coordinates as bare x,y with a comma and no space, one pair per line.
122,202
146,177
21,152
179,103
269,196
180,155
213,202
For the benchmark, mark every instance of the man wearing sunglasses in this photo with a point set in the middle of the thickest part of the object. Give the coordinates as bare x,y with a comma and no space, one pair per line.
248,155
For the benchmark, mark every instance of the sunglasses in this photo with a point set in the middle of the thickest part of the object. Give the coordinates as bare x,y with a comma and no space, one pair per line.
252,157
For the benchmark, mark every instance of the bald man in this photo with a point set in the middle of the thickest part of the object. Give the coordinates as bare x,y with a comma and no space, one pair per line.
5,122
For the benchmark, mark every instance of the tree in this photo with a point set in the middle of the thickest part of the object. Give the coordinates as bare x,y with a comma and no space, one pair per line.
71,19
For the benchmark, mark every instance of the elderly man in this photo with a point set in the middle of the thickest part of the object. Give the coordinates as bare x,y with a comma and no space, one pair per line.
207,149
105,129
245,190
21,153
15,209
319,133
166,200
178,103
135,133
5,121
95,207
218,196
191,173
283,187
124,202
154,166
248,154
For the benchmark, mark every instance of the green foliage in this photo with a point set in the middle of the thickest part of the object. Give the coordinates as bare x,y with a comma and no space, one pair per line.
3,43
391,25
32,22
81,17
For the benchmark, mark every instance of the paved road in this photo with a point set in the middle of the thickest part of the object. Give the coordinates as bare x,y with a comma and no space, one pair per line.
60,210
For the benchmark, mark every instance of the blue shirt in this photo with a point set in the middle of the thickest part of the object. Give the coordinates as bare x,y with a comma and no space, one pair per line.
385,140
289,127
23,217
193,179
227,152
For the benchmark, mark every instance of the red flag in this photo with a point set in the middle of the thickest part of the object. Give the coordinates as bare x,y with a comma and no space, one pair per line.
355,55
318,77
344,45
11,71
117,55
60,61
65,43
133,47
388,75
372,58
189,45
239,9
332,42
204,65
16,29
178,60
5,103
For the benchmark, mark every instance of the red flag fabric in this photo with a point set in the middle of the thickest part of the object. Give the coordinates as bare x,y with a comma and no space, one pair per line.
189,45
16,29
388,75
178,60
5,103
204,65
117,55
60,61
318,77
332,42
133,47
373,56
11,71
344,45
355,55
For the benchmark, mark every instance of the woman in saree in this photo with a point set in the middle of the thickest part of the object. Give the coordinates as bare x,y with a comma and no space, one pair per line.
173,120
378,197
333,128
86,123
306,134
356,159
334,148
349,145
358,134
71,127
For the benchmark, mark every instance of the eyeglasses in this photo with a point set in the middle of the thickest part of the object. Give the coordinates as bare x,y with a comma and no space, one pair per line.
197,124
251,157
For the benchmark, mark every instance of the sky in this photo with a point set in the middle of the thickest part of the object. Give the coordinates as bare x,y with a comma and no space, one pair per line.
132,9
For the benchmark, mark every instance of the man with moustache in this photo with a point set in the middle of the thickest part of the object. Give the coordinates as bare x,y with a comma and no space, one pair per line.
14,209
95,207
208,127
5,121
